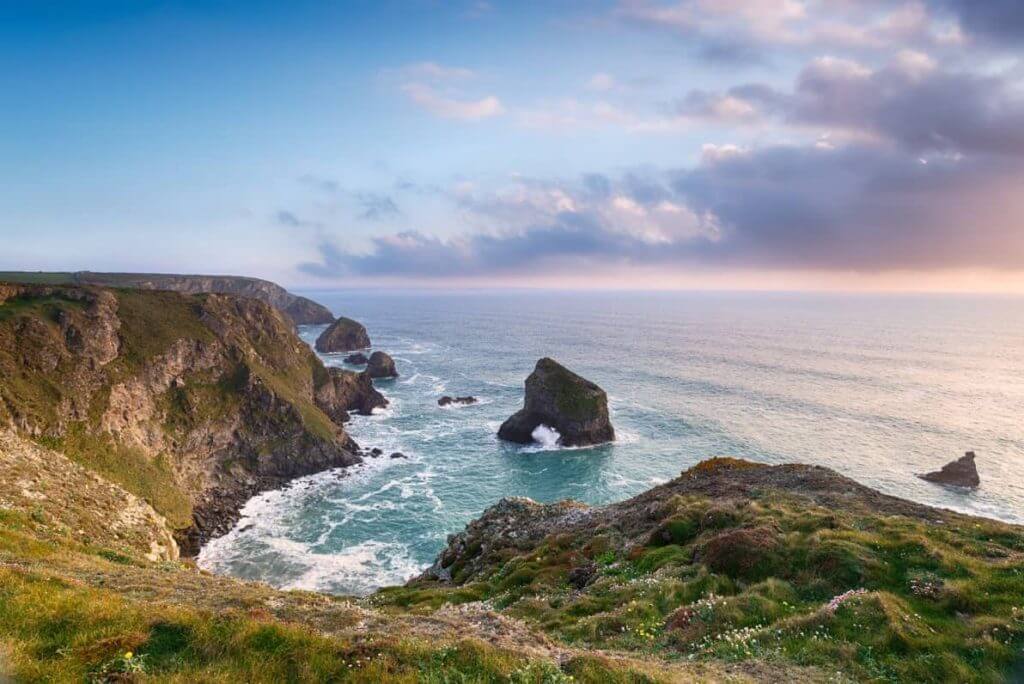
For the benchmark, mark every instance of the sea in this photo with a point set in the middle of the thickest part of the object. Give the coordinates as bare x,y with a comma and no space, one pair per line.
878,387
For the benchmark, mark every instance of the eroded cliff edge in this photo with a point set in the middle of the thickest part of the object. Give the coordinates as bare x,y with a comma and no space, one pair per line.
193,403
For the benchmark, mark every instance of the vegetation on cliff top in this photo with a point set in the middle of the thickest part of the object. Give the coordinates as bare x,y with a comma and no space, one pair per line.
762,572
72,611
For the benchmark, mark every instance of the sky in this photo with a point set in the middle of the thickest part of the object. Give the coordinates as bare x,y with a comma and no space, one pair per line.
696,144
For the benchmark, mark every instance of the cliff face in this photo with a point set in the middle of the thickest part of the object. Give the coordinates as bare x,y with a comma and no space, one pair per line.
300,310
193,403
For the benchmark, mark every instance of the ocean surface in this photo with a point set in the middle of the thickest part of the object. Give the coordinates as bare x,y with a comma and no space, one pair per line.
879,388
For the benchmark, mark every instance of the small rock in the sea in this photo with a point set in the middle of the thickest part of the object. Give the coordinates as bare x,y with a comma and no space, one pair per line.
397,454
381,365
343,335
357,359
572,410
447,401
961,473
375,452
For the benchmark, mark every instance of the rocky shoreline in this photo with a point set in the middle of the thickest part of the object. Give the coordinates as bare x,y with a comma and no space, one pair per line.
193,402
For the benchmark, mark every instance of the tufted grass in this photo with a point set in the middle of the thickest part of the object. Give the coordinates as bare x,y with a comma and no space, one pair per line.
752,580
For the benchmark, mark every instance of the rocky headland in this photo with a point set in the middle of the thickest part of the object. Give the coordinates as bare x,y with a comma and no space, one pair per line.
134,423
193,403
299,310
561,400
343,335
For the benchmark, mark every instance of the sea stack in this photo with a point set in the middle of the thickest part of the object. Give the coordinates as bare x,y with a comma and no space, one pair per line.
343,335
562,401
381,365
961,473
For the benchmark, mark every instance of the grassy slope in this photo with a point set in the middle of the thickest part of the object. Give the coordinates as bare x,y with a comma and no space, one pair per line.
751,579
70,612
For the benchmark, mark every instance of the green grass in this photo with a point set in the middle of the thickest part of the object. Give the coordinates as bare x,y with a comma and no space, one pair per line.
55,631
752,580
151,478
37,277
45,307
152,321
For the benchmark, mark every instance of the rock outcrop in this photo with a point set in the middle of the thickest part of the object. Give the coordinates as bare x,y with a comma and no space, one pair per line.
192,403
448,401
357,359
563,401
343,335
960,473
347,391
381,365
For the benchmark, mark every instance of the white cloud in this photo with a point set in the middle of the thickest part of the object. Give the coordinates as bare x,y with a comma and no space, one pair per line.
447,107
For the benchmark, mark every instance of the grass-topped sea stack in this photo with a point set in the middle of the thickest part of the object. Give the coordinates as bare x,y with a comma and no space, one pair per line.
560,400
342,336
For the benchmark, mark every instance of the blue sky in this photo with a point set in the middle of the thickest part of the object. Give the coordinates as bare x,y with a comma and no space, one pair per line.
692,143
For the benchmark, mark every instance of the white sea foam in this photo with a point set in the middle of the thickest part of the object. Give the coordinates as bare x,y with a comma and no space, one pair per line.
546,437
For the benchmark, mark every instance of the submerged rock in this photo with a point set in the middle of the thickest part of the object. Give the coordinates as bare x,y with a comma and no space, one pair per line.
343,335
448,401
397,454
563,402
381,365
961,473
357,359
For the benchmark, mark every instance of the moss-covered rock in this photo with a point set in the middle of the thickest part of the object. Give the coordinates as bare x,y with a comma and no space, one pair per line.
557,398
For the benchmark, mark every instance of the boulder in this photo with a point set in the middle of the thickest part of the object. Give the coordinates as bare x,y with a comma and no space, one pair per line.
342,391
343,335
961,473
448,401
357,359
381,365
563,401
397,454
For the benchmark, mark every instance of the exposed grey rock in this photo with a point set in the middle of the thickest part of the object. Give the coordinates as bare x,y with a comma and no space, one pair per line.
347,391
560,399
448,401
961,473
343,335
381,365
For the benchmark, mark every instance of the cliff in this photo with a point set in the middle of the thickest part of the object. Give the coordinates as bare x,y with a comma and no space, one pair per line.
133,421
300,310
741,562
192,403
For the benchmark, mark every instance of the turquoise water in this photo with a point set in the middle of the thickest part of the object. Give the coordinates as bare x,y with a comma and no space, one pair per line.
878,388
